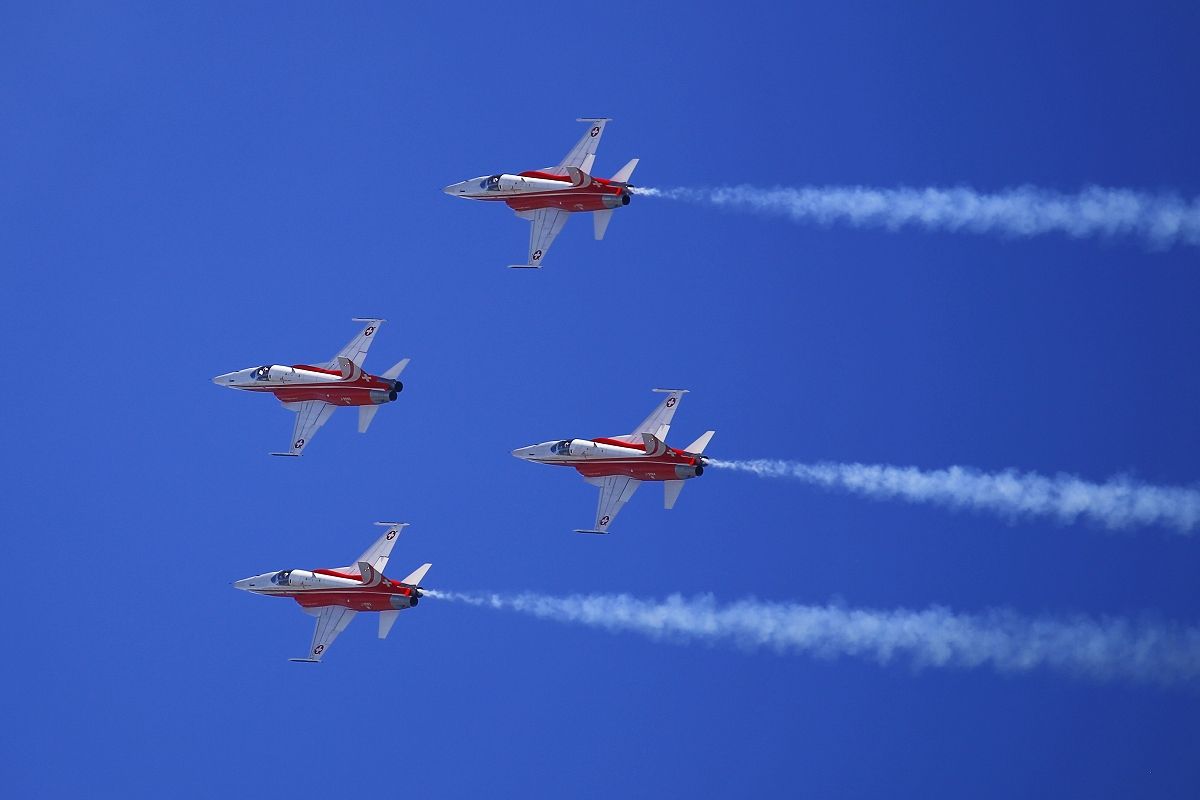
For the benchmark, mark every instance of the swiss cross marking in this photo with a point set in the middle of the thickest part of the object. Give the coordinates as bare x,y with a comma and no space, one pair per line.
670,402
595,131
299,443
537,254
318,650
604,520
391,535
370,329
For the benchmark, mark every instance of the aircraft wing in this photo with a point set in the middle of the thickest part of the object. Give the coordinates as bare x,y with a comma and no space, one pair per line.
615,491
547,222
331,620
310,416
377,554
583,154
356,349
659,421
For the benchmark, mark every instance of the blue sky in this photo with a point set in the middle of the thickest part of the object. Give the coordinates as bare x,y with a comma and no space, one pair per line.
191,190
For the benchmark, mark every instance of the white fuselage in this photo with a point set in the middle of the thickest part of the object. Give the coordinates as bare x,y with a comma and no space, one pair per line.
272,376
292,580
499,187
569,450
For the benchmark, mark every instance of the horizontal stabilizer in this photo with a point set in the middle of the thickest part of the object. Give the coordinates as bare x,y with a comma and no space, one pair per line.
698,446
625,173
396,369
417,575
671,490
600,220
293,455
386,620
581,530
365,415
524,266
306,660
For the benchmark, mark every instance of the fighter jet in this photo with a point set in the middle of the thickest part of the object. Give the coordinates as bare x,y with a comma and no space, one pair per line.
313,392
619,464
546,196
334,596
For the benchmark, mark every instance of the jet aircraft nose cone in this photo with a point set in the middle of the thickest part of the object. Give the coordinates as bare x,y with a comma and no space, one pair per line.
456,188
224,380
245,584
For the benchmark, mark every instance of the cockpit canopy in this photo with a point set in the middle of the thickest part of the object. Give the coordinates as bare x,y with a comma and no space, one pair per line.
262,373
491,184
561,448
281,578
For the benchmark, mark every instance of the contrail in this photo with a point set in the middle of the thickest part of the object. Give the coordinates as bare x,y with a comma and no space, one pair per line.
1097,648
1118,503
1160,220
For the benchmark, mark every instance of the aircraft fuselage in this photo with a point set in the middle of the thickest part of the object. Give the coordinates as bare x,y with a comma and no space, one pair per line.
529,191
327,587
600,458
301,382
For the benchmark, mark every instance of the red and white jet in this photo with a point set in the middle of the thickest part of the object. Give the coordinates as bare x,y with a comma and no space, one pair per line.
546,196
334,596
314,392
619,464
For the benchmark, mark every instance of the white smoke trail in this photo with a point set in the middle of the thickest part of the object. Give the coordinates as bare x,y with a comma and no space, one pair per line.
1161,220
1097,648
1118,503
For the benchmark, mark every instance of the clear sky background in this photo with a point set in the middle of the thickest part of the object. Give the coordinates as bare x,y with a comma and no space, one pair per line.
192,189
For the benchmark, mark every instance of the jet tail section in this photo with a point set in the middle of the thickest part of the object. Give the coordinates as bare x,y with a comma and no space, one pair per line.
654,445
350,371
368,574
